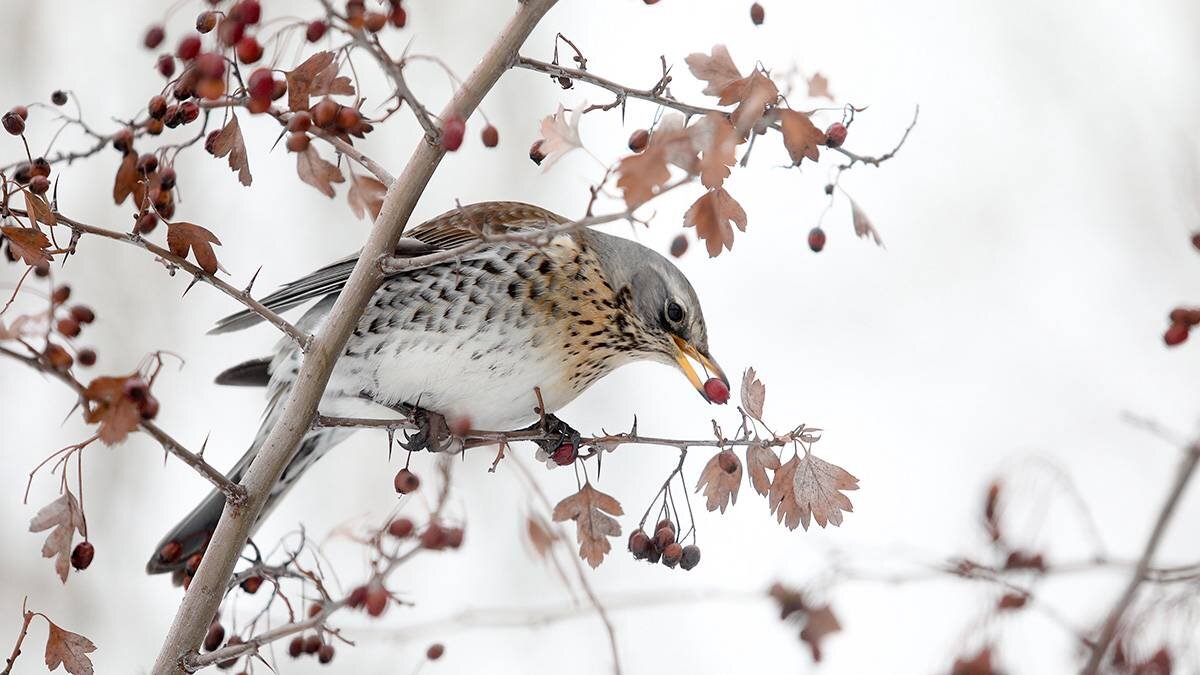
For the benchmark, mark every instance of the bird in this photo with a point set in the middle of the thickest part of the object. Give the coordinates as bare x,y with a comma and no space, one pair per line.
532,307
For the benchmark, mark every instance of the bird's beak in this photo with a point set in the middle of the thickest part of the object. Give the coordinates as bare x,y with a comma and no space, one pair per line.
686,350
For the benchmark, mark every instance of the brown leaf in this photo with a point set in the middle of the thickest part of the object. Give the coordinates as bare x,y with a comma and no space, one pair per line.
112,409
862,225
720,479
327,82
810,487
184,236
300,80
126,182
759,458
752,95
754,393
39,210
641,176
818,87
229,142
69,650
28,243
539,535
366,195
718,149
711,215
716,69
821,623
560,135
66,518
800,136
317,172
590,510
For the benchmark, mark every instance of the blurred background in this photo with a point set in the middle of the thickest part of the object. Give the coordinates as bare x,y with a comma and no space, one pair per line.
1036,227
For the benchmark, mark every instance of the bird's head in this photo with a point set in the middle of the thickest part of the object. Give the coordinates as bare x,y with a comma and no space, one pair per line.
667,313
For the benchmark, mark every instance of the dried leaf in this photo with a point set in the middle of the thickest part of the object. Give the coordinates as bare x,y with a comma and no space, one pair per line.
810,487
116,413
23,326
66,518
69,650
818,87
712,215
718,149
754,393
126,182
317,172
184,236
752,95
328,82
29,244
229,142
800,136
301,79
862,225
539,535
716,69
720,479
641,176
366,195
759,458
821,623
560,135
590,510
39,210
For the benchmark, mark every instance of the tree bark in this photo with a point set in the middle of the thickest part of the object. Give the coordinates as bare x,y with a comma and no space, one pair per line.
207,588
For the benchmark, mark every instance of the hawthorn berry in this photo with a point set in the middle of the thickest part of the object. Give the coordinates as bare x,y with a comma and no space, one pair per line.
206,21
83,314
296,647
61,294
300,122
377,600
691,557
146,223
82,556
639,543
728,461
189,47
1176,334
154,37
565,454
58,358
189,111
435,651
248,11
399,17
454,537
13,123
490,136
434,537
87,357
252,584
665,522
679,246
59,97
357,597
297,142
325,653
316,30
261,83
167,177
147,163
214,637
148,408
716,390
165,65
39,185
401,528
672,554
248,50
324,113
535,152
193,563
312,644
68,327
664,537
157,107
347,118
835,135
406,481
453,130
756,14
638,140
375,21
122,141
816,239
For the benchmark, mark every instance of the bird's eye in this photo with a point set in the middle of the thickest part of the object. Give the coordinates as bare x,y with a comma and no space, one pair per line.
674,312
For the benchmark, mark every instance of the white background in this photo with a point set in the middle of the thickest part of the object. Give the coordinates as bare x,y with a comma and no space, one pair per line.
1037,228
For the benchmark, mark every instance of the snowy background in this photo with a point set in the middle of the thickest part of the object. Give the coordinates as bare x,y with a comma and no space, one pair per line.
1036,226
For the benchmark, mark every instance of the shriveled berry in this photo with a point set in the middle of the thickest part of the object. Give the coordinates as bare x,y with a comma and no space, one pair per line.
154,37
716,390
679,246
87,357
248,50
206,22
690,557
170,551
324,113
59,97
835,135
639,543
535,152
453,131
435,651
728,461
1176,334
406,481
312,644
39,185
325,653
157,107
297,142
146,223
663,538
148,163
816,239
377,600
672,554
316,30
82,556
214,637
189,47
638,140
490,136
300,121
189,110
13,123
296,647
401,528
68,327
756,14
252,584
165,65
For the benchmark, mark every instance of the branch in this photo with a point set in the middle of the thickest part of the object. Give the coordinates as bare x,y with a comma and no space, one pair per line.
1187,467
203,597
653,95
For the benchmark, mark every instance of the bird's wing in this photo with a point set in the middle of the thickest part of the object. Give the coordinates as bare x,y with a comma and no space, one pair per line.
447,231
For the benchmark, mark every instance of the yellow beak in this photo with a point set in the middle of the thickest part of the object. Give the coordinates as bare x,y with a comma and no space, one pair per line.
687,350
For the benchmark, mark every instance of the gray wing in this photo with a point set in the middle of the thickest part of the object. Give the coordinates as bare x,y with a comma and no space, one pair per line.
447,231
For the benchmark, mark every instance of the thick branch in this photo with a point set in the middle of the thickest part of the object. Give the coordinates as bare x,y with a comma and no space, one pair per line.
204,595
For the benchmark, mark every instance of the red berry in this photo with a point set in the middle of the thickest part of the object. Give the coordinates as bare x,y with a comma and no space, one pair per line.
565,454
296,647
248,50
299,122
170,551
435,651
324,113
215,636
189,47
146,223
434,537
157,107
375,21
672,554
82,556
87,357
57,357
406,481
189,111
206,22
347,118
728,461
691,557
312,644
1176,334
357,597
717,391
835,135
193,563
638,140
39,185
315,609
83,314
756,14
13,123
399,17
68,327
325,653
61,294
453,130
252,584
401,527
166,65
639,544
316,30
148,408
248,11
816,239
297,142
154,37
535,152
377,600
230,30
491,136
261,84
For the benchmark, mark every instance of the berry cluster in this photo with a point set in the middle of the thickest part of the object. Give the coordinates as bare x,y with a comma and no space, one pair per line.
1182,320
663,547
312,644
69,323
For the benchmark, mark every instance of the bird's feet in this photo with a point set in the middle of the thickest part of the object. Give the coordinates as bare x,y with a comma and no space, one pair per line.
559,441
432,434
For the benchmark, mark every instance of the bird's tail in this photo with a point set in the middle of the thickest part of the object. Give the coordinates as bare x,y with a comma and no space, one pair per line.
192,534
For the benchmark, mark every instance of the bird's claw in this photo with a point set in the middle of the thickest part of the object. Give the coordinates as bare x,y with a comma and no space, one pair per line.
433,434
555,434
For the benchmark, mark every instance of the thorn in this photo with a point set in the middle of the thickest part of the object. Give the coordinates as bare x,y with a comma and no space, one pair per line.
195,280
252,280
204,445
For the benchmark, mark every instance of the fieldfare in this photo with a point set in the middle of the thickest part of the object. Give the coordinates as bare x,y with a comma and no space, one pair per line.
536,305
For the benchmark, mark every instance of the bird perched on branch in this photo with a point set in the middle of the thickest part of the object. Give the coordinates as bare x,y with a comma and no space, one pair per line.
527,302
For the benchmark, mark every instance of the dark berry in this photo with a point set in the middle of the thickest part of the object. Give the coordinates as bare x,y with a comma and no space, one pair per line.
756,14
491,136
672,554
691,557
816,239
1176,334
59,97
535,152
189,47
639,543
87,357
406,481
215,636
83,314
13,123
154,37
453,131
316,30
252,584
296,647
68,327
638,140
679,246
325,653
82,556
39,185
165,65
435,651
835,135
299,122
401,527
